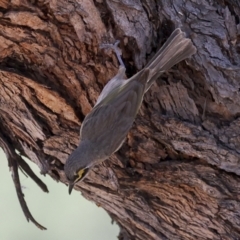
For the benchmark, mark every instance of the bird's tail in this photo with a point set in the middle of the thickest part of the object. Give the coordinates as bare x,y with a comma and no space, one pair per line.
175,49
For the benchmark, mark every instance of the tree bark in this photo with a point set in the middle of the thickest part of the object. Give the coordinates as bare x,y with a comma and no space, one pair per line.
177,174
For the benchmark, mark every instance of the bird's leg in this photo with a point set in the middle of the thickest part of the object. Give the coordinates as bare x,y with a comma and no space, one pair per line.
116,50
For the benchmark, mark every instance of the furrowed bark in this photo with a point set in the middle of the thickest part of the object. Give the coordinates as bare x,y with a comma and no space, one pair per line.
177,174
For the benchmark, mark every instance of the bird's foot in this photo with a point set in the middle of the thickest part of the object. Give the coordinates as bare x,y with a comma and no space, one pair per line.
116,49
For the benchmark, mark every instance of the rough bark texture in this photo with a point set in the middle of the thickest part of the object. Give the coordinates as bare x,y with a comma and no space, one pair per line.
177,175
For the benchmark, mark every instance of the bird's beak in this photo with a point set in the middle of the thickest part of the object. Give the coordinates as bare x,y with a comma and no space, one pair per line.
70,187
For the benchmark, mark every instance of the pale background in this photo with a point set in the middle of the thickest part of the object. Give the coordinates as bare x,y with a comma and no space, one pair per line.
64,216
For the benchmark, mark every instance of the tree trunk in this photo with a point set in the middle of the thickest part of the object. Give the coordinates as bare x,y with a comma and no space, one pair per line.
177,174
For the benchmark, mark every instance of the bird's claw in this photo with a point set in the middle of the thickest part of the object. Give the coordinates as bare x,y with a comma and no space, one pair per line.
116,49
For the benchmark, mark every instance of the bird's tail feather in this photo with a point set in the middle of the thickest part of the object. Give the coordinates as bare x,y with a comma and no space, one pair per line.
175,49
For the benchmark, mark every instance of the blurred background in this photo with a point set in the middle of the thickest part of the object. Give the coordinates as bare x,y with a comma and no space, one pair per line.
65,216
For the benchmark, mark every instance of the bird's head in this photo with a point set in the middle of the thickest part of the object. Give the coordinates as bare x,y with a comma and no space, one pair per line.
75,177
76,168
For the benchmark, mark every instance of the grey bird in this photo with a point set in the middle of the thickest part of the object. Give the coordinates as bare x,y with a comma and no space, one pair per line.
104,129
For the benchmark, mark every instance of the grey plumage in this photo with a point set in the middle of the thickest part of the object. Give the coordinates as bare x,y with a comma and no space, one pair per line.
104,129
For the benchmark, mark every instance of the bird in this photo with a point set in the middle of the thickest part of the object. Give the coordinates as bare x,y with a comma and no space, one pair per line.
105,128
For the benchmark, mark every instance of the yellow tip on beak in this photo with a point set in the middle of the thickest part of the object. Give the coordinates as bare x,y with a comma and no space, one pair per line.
70,187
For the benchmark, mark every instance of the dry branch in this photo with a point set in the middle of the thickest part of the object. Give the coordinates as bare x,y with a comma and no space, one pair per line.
177,175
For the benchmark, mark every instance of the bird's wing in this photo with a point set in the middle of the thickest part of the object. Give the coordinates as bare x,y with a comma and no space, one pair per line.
110,120
112,85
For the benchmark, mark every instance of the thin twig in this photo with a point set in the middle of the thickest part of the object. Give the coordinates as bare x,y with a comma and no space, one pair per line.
14,160
20,194
25,167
